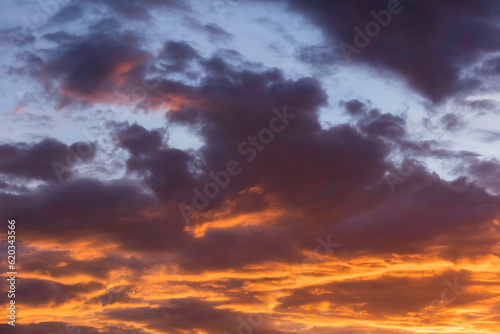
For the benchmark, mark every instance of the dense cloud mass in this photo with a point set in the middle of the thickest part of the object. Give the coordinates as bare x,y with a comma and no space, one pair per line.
201,187
427,43
36,161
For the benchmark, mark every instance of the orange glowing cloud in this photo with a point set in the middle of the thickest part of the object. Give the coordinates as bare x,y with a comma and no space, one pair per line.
19,108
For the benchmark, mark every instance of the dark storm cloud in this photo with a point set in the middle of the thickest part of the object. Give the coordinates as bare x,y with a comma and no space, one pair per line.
427,43
137,140
232,248
333,179
107,64
373,122
308,186
212,115
87,68
348,164
179,51
486,172
78,209
230,112
36,161
383,125
354,107
344,191
400,224
177,56
38,292
167,171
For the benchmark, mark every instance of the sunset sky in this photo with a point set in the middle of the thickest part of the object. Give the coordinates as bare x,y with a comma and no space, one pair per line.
251,166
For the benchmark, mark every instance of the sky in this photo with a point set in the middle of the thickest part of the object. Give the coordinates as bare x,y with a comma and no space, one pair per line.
240,167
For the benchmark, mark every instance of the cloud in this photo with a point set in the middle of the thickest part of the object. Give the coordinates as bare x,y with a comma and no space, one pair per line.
88,68
36,161
452,122
354,107
214,32
61,327
225,248
130,10
302,184
380,297
77,208
137,140
426,44
36,292
486,172
180,315
343,192
177,57
69,13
